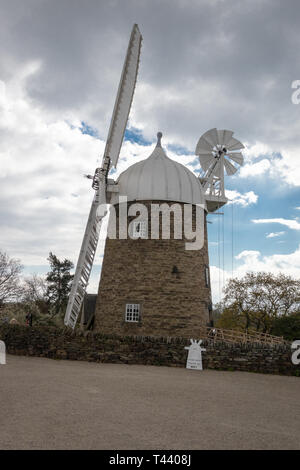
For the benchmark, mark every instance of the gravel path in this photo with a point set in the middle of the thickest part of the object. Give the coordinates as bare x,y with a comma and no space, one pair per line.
48,404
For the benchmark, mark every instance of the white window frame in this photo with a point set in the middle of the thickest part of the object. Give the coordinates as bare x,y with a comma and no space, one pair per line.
133,313
143,231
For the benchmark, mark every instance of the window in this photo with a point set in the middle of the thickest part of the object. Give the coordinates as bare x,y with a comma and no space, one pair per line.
207,276
132,313
140,229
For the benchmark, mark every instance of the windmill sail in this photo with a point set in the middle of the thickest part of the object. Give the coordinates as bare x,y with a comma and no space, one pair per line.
124,97
86,257
111,155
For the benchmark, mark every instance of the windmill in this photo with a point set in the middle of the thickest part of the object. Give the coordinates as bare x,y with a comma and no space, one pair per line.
217,151
101,184
147,298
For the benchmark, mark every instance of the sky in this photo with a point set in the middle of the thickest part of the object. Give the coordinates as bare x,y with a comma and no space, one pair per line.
204,64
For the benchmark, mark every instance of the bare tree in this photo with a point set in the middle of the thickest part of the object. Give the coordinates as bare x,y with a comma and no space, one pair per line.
35,293
35,288
10,288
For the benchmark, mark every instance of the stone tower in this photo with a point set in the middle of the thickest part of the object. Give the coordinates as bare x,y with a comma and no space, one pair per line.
151,283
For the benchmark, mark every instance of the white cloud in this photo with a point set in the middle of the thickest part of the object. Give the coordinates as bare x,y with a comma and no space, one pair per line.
287,168
276,160
180,88
292,224
254,260
276,263
274,234
255,169
254,151
44,199
241,199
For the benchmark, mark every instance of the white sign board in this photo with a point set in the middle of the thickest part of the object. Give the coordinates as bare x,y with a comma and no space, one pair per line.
2,353
194,360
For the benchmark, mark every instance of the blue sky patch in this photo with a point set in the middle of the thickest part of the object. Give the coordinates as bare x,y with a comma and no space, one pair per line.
135,136
89,130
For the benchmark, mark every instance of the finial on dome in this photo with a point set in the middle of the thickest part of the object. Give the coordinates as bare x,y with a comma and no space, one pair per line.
159,136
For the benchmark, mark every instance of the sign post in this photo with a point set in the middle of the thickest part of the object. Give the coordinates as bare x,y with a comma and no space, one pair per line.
194,359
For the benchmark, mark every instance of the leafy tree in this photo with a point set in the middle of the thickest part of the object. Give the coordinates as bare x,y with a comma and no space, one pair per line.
287,326
217,312
58,283
256,300
231,319
10,288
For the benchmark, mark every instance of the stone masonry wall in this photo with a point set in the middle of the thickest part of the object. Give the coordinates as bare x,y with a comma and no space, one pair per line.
58,344
141,271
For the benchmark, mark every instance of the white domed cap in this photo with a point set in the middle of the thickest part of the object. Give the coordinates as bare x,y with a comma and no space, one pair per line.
159,178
